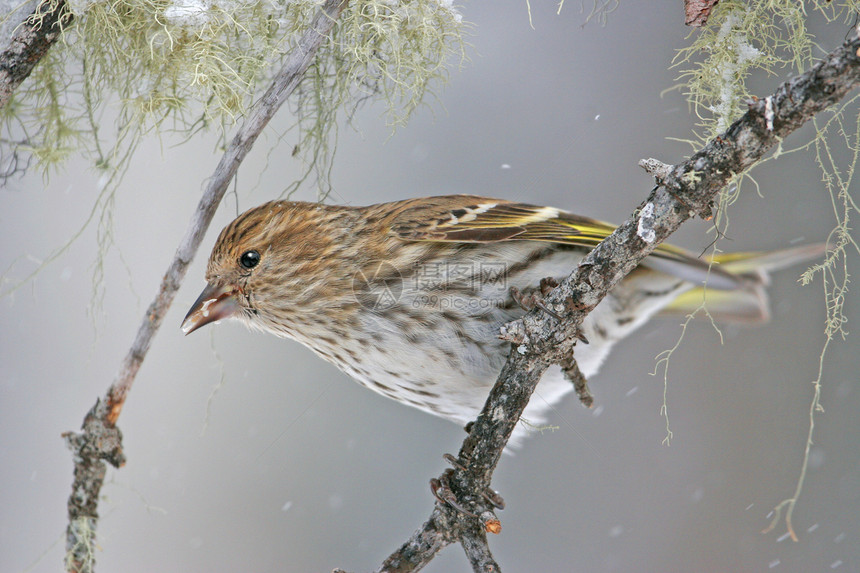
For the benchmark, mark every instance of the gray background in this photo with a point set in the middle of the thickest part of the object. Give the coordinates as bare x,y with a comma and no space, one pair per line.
300,469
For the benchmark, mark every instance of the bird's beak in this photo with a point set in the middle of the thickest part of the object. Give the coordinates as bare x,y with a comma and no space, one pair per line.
214,303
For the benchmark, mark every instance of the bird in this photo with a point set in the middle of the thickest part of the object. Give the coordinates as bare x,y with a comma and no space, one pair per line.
408,297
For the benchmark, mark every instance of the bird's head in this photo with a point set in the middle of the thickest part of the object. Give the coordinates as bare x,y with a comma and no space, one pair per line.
262,267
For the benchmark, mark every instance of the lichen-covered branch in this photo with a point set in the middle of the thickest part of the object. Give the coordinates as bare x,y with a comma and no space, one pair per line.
684,190
100,440
31,40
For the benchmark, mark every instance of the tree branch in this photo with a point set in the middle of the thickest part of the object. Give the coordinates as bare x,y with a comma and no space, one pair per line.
30,43
684,190
101,440
420,549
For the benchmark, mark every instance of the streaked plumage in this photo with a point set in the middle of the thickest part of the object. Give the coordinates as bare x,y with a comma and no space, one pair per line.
408,297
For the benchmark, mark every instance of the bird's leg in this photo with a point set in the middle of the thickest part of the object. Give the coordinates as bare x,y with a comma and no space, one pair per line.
492,496
546,286
453,461
442,492
532,299
574,375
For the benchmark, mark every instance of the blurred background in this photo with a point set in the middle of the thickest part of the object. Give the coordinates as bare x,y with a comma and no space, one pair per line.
246,452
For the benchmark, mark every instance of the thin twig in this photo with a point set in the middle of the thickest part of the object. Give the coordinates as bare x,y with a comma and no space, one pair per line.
474,542
100,440
684,190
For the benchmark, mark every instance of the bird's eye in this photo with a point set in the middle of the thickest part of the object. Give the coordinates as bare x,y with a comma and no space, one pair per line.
249,259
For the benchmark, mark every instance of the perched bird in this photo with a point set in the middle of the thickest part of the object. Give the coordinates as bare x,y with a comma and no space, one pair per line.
408,297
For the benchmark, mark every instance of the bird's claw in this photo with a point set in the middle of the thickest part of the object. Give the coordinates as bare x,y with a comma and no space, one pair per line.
442,492
494,498
453,461
532,300
547,284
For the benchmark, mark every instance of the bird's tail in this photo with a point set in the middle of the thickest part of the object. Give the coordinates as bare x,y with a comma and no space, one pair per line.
749,303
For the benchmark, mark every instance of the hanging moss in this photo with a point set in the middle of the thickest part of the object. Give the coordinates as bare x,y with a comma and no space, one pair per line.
742,37
201,62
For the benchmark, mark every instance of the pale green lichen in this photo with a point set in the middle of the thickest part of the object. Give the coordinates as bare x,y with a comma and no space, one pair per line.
834,139
741,38
716,65
691,177
600,10
81,538
183,60
392,51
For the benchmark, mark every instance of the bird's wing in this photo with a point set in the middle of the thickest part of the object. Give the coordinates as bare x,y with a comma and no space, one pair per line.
468,219
471,219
